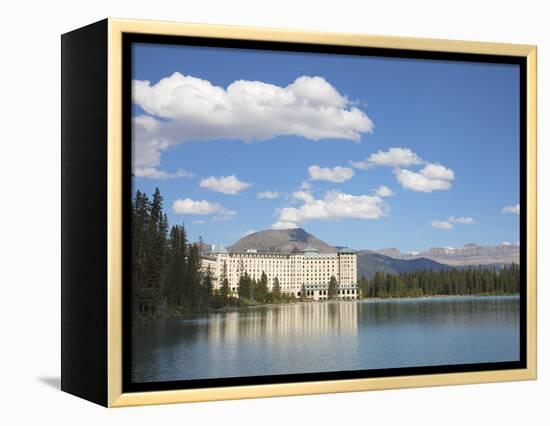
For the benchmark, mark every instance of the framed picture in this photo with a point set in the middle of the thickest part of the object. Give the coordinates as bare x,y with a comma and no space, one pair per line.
251,212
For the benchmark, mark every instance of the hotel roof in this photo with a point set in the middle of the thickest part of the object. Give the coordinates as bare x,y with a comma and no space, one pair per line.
346,250
310,249
219,249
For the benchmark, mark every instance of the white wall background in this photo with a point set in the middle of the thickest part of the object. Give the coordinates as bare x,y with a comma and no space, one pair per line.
30,200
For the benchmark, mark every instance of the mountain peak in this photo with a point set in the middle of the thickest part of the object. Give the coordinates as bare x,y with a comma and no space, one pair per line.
280,241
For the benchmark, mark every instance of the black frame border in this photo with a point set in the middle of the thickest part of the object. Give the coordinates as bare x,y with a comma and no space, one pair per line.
128,39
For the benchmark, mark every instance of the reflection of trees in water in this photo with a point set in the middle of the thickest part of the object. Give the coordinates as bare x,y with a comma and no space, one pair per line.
438,311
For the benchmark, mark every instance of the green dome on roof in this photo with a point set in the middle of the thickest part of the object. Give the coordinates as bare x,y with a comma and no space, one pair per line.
310,249
346,250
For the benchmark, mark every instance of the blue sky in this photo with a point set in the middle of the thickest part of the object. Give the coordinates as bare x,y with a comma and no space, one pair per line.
445,139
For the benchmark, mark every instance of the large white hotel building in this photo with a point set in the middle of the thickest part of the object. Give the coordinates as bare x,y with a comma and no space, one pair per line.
308,268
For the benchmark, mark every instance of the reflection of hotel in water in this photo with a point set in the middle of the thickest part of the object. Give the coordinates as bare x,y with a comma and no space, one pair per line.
288,320
307,268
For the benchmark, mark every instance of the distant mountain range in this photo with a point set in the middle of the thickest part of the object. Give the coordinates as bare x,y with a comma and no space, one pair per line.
470,254
389,260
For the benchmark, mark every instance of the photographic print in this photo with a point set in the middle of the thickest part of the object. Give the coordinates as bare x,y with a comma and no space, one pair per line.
301,214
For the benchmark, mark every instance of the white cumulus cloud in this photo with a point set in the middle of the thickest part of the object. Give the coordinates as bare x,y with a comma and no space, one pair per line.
394,157
441,224
437,172
200,207
465,220
154,173
305,185
223,215
147,145
181,108
433,177
246,233
268,195
303,196
364,165
225,184
335,205
336,174
511,209
383,191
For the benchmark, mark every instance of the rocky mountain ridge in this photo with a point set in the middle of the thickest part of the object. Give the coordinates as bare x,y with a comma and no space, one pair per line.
470,254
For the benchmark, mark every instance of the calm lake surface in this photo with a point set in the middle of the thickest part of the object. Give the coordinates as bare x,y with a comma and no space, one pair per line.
330,336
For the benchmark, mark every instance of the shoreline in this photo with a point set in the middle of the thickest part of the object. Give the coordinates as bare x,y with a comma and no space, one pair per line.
369,299
271,305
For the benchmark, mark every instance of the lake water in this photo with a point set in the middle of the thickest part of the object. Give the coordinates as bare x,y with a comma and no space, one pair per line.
329,336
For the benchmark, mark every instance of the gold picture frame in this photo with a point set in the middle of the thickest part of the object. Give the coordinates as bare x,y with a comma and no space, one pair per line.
115,396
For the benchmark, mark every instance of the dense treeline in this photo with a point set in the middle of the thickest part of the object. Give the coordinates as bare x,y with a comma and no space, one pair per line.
252,291
167,277
470,281
166,269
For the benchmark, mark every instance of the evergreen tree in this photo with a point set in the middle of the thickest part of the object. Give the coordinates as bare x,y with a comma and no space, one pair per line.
276,291
244,287
156,246
176,268
378,284
262,292
140,222
364,287
253,289
150,226
303,296
332,287
224,289
207,290
193,279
